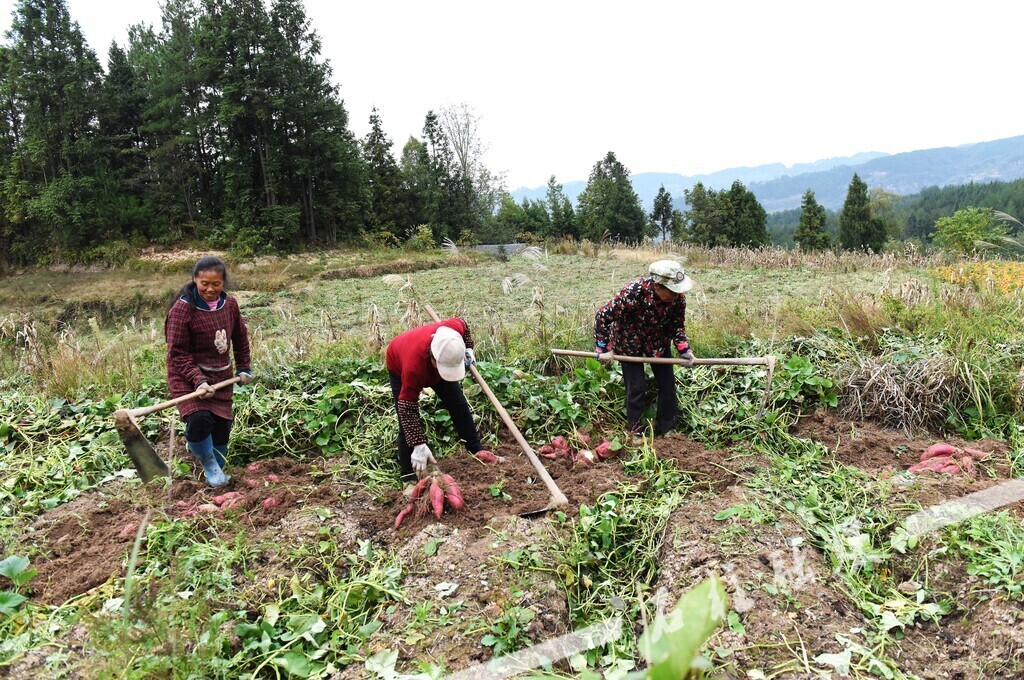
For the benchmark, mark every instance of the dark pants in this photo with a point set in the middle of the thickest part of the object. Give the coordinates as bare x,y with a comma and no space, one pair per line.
202,424
636,386
453,401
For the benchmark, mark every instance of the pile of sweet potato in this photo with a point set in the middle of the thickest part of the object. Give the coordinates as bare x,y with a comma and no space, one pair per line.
942,457
561,447
432,494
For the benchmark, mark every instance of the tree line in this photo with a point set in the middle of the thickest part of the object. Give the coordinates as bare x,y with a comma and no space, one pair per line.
223,126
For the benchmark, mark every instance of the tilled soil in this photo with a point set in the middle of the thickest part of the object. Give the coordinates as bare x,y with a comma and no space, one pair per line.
790,605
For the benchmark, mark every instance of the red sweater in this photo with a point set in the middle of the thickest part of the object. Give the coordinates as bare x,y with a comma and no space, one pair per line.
408,357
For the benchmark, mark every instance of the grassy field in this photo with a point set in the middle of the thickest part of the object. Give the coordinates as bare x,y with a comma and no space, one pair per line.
804,518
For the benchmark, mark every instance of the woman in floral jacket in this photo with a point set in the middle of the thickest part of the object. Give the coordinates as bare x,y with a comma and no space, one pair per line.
645,319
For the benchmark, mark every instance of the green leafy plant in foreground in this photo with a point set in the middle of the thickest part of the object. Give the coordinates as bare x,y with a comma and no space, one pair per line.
993,546
671,645
17,570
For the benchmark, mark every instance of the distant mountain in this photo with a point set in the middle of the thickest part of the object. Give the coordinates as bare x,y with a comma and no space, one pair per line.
902,173
778,187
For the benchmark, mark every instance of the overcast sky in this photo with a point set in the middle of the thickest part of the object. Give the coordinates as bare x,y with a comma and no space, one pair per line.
687,87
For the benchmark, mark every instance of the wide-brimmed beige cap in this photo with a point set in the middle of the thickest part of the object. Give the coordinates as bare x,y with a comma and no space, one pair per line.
449,351
670,274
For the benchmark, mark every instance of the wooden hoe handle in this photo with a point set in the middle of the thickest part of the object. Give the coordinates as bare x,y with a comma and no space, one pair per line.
557,497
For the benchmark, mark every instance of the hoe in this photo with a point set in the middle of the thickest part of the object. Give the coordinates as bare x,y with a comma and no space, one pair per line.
143,455
557,497
768,361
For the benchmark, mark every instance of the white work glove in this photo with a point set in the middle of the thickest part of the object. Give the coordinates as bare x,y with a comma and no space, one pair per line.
246,377
470,358
421,455
206,389
687,355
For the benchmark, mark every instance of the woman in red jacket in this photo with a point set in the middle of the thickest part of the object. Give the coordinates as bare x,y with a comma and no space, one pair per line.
436,356
203,324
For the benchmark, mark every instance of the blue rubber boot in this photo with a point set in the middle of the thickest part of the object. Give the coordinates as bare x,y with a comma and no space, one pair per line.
220,452
204,452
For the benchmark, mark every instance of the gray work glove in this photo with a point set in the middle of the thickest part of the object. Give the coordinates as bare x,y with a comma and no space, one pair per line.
246,377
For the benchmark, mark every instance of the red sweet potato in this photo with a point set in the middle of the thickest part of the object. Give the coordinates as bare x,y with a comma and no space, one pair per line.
585,439
437,499
453,495
604,450
938,449
207,507
560,442
272,478
221,499
976,454
417,490
546,449
586,456
233,502
404,513
935,464
253,467
252,483
486,457
270,502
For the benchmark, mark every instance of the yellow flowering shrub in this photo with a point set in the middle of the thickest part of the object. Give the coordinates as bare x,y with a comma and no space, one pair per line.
1001,277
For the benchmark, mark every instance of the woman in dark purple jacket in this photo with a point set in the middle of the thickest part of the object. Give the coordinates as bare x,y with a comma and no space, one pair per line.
203,329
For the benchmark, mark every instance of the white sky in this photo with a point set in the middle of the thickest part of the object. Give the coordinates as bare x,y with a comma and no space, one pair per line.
687,87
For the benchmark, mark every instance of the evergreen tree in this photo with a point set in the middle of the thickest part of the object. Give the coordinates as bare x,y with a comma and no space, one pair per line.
747,222
664,218
386,210
609,205
53,82
703,224
857,230
811,234
563,217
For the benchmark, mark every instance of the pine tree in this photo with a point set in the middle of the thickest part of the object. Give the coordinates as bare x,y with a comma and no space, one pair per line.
386,210
811,234
747,224
856,231
702,222
664,217
563,217
609,205
54,80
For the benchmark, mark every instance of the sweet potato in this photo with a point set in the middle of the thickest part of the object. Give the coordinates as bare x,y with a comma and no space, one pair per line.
935,464
938,449
486,457
404,513
272,478
417,490
437,499
560,442
546,449
586,456
585,439
604,450
453,495
252,483
207,507
233,502
253,467
270,502
221,499
976,454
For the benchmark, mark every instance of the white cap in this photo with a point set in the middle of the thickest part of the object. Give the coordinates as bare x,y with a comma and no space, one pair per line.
670,274
449,351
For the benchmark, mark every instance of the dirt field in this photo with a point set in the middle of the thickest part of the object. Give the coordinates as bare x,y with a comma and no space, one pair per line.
789,605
